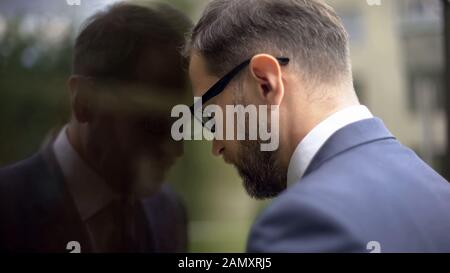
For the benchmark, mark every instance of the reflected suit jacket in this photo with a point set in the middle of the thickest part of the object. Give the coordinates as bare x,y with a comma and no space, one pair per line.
38,214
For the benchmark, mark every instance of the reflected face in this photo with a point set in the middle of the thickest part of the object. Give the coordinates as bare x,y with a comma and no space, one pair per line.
263,175
135,149
129,135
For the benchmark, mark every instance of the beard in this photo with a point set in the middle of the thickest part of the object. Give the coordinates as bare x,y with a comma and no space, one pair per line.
263,176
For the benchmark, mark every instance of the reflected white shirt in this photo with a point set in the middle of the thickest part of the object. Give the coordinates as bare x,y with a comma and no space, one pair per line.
316,138
91,194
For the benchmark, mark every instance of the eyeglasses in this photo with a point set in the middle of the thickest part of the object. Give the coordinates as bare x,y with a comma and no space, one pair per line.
218,88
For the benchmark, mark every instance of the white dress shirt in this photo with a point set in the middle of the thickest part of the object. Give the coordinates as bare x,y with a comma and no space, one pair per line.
316,138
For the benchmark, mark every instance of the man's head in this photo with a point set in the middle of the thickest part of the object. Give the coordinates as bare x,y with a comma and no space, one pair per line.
316,82
127,73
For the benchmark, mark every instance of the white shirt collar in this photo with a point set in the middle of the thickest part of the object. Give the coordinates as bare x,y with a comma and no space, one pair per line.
89,191
316,138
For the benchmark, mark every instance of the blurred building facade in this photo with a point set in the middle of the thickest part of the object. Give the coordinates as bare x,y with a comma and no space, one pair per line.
398,64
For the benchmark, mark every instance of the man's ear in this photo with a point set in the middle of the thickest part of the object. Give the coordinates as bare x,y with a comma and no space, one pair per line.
266,71
79,99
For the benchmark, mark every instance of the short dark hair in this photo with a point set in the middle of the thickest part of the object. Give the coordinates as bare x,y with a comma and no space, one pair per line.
309,32
111,41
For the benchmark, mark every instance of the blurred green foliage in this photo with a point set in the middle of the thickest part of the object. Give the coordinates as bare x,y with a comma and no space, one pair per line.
32,88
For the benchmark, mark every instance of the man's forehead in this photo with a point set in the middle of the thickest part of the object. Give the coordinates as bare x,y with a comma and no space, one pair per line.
200,77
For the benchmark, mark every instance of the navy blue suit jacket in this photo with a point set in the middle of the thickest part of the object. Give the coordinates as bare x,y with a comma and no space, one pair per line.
362,186
37,213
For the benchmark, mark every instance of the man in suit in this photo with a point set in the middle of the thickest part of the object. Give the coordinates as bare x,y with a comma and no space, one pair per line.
343,182
97,187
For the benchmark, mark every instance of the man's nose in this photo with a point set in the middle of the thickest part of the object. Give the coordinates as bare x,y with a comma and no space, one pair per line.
217,147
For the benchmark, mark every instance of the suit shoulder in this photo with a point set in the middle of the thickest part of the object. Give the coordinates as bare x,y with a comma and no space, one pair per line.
21,168
16,177
166,197
290,223
168,216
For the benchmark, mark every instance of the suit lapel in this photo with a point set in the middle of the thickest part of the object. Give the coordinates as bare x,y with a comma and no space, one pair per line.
353,135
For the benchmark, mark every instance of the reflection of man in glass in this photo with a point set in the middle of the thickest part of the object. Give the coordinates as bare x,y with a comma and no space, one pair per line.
99,182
